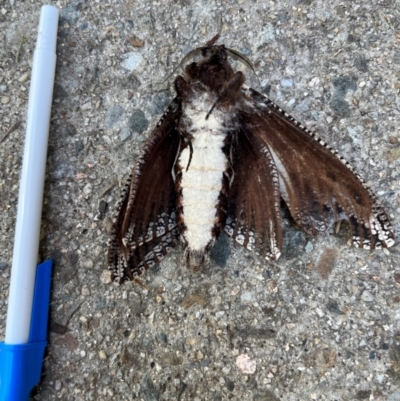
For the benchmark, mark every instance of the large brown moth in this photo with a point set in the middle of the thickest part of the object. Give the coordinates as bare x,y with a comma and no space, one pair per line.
222,157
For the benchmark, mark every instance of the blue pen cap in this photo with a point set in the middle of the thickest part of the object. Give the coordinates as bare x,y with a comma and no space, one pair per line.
21,364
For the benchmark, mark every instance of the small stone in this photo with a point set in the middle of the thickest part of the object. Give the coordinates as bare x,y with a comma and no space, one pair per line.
247,296
361,63
79,146
3,265
373,38
191,341
286,83
266,274
235,291
162,337
58,385
5,100
226,369
339,106
267,310
294,242
303,106
393,155
323,16
309,247
345,83
230,385
125,134
86,106
290,103
85,290
374,115
315,114
132,61
88,264
246,364
199,355
102,355
158,103
107,139
363,395
333,307
177,288
266,395
267,35
219,314
87,189
113,115
74,245
23,77
135,41
138,121
105,277
366,296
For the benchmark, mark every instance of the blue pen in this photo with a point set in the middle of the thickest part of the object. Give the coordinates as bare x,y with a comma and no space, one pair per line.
21,355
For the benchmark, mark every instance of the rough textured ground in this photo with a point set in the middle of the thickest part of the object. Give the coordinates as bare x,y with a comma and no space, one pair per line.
321,324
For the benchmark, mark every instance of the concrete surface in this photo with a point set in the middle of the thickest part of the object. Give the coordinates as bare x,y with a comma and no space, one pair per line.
320,324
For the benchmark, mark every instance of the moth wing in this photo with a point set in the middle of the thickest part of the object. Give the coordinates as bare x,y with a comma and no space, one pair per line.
317,184
145,228
253,215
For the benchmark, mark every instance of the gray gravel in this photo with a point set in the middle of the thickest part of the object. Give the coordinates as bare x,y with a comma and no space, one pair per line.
323,323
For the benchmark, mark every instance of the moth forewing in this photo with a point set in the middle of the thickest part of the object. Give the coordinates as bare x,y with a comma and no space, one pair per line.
221,158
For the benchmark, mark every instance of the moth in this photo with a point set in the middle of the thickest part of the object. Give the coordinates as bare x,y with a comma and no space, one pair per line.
222,158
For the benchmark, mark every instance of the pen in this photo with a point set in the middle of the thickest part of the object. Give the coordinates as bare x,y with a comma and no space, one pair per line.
21,354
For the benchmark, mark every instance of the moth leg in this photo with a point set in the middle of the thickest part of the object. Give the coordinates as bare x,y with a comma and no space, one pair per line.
137,281
176,158
190,155
230,91
337,226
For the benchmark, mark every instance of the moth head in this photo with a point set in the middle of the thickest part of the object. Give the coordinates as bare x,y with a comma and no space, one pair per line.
212,67
211,72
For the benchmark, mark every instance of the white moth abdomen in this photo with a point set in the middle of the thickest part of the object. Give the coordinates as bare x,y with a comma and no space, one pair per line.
201,183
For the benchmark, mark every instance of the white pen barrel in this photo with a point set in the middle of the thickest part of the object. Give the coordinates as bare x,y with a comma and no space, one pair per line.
26,241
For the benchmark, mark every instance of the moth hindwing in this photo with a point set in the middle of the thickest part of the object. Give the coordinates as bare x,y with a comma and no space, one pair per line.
223,157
